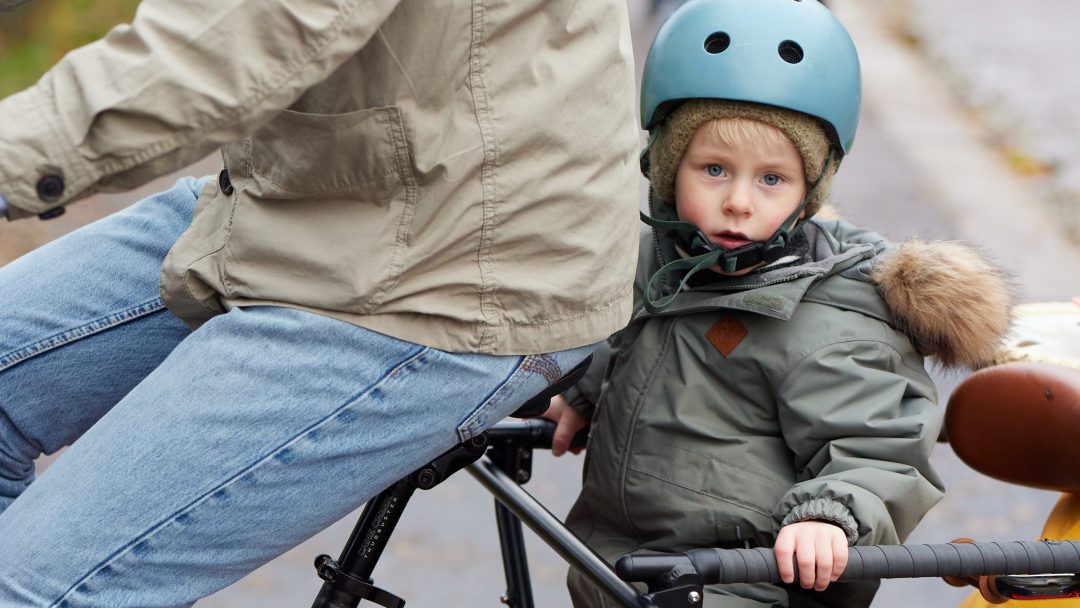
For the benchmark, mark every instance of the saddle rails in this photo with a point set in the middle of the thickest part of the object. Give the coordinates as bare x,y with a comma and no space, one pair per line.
1017,422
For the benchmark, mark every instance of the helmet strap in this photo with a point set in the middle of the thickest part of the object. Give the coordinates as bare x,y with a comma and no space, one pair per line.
703,253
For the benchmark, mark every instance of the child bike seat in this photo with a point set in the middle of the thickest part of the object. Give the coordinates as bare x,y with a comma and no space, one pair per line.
1018,422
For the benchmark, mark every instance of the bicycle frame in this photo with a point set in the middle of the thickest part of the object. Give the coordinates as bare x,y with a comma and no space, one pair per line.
508,447
676,580
548,527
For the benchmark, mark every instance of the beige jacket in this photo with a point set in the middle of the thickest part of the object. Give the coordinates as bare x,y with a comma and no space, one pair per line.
458,174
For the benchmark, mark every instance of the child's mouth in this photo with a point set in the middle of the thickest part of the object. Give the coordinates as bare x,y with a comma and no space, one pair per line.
730,240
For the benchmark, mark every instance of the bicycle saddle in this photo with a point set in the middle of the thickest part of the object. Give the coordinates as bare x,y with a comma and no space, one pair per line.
539,404
1018,422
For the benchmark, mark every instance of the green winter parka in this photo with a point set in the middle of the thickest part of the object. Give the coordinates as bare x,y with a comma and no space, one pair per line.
789,394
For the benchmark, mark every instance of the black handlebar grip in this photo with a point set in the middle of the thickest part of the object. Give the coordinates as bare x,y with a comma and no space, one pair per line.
758,565
963,559
535,433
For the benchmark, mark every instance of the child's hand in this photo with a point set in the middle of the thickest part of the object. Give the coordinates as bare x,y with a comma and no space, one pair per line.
819,547
568,423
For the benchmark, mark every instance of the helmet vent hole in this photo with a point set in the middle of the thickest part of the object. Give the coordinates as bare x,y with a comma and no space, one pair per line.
717,43
790,51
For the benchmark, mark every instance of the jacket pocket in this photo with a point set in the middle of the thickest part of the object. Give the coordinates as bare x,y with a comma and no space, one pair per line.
697,498
365,151
324,219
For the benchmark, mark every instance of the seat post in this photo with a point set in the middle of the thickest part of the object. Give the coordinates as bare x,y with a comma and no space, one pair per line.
348,580
372,532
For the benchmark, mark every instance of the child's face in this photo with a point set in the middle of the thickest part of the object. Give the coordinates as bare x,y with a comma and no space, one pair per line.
739,182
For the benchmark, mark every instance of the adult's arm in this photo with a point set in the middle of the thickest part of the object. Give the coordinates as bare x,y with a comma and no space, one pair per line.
179,81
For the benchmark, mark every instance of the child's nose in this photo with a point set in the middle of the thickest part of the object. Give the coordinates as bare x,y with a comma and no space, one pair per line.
739,201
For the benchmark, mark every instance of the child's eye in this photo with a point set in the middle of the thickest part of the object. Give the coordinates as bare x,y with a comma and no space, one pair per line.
714,170
771,179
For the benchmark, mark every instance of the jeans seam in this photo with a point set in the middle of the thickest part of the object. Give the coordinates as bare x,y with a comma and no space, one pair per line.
90,328
20,435
462,427
235,478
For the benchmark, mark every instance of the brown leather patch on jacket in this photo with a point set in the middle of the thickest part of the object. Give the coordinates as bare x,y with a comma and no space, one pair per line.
726,334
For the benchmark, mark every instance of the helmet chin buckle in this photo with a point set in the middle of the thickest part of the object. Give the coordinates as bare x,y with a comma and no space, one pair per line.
774,248
741,258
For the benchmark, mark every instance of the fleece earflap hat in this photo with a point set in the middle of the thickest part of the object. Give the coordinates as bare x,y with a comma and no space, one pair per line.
669,140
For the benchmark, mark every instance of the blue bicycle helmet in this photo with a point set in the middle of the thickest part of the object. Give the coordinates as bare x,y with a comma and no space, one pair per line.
792,54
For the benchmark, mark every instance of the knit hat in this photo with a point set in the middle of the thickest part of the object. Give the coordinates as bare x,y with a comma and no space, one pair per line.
669,140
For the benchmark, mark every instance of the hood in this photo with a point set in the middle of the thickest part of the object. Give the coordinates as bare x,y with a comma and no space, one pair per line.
955,305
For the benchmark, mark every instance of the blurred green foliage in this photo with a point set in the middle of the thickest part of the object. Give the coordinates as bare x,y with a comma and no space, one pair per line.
39,34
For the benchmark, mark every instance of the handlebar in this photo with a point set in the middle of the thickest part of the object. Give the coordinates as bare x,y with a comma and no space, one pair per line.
758,565
535,433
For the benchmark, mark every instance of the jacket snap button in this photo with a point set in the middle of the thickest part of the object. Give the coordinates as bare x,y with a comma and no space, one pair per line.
50,188
225,183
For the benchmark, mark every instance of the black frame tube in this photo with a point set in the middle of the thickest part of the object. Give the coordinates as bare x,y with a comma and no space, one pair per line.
515,559
548,527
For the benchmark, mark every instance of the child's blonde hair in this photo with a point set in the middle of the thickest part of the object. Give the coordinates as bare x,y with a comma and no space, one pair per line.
738,131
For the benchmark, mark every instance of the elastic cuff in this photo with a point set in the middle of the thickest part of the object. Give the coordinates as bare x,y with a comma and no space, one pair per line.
827,510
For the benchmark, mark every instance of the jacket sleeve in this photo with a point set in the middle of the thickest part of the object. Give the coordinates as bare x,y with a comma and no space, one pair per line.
584,395
860,420
156,95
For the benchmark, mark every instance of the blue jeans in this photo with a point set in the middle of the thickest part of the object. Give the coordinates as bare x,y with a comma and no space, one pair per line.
197,456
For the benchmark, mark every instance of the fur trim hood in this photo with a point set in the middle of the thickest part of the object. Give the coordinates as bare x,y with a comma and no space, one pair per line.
954,304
